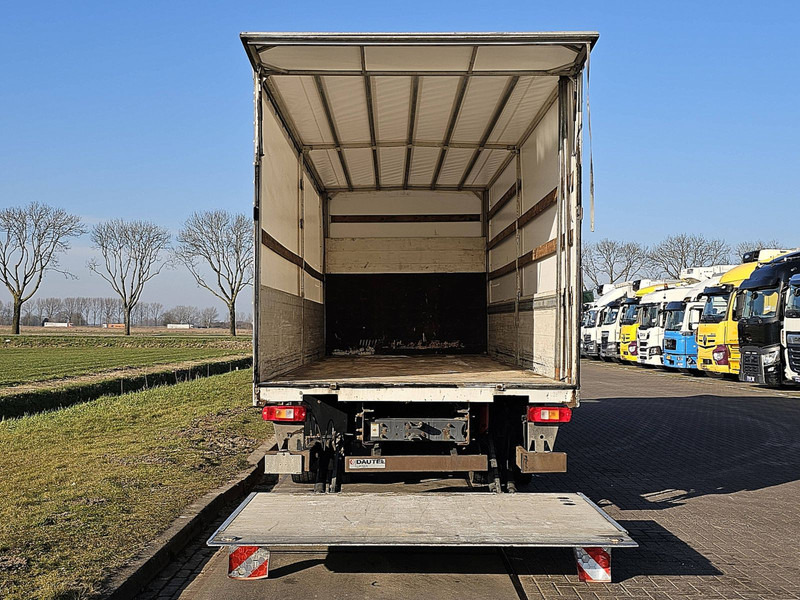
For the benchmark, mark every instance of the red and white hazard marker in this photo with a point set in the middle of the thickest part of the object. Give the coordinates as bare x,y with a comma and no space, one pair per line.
248,562
594,564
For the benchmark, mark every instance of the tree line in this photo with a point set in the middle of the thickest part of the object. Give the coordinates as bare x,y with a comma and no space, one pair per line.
216,247
610,261
95,312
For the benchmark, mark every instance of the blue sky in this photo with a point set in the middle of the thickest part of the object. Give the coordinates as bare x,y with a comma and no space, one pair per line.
143,109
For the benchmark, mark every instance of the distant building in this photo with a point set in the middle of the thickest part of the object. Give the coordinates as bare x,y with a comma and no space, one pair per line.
114,325
179,326
55,324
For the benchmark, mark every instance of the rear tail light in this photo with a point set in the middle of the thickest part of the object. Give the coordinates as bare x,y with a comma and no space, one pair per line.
721,355
549,414
291,414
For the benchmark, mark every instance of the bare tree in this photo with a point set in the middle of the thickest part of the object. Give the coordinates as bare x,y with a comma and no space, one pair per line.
182,314
743,248
677,252
132,255
222,244
207,316
610,261
71,310
52,308
83,308
156,309
109,305
31,239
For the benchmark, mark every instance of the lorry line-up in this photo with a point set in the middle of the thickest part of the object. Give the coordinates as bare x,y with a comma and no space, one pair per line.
417,293
704,321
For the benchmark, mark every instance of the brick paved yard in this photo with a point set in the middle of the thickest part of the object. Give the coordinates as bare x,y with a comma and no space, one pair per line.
702,472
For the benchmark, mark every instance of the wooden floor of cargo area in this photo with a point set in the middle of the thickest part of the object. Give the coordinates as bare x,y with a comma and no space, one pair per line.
418,370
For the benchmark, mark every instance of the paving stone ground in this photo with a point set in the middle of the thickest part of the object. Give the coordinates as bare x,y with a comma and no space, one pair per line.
704,473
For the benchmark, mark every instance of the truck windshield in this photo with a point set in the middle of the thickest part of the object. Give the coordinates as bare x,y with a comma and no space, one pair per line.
629,316
611,316
760,304
674,320
793,303
649,316
591,319
715,309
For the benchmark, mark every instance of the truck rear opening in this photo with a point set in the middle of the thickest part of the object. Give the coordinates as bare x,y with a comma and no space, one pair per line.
418,209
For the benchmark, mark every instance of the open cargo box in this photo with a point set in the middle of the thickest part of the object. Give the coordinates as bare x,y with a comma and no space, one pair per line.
440,166
417,214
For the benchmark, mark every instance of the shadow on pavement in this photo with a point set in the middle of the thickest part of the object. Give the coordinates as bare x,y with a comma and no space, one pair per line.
657,453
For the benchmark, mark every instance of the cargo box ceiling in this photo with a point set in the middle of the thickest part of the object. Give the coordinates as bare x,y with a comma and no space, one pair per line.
412,111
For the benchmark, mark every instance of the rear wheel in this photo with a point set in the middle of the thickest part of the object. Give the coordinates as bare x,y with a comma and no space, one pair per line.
304,477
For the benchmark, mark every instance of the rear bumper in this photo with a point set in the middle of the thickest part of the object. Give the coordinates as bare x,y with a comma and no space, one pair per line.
282,462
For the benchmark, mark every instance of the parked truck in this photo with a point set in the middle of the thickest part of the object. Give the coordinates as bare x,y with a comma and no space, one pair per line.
680,327
760,306
718,333
417,292
791,330
604,313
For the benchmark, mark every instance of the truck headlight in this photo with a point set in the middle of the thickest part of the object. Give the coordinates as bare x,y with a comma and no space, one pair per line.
770,357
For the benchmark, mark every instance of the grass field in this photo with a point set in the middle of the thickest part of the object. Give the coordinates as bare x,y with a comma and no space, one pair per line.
43,358
83,489
22,365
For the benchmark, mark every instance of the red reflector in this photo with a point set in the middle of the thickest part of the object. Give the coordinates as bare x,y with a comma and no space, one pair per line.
549,414
290,414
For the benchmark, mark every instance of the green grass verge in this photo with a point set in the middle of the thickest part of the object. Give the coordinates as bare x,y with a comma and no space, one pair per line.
21,401
85,488
25,365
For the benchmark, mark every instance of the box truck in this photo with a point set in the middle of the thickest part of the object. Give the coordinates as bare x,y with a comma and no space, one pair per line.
418,291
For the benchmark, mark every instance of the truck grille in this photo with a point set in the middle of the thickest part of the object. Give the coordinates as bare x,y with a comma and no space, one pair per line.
751,363
670,344
794,357
587,337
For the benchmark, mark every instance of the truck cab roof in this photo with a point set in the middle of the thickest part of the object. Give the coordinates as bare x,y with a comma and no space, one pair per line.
772,273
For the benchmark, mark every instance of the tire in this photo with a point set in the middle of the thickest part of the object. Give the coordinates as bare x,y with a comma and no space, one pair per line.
522,478
304,477
480,477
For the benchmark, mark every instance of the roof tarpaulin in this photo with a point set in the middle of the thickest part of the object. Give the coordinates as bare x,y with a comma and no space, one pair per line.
405,111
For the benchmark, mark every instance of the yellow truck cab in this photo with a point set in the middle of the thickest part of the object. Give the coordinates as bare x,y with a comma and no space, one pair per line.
630,322
718,332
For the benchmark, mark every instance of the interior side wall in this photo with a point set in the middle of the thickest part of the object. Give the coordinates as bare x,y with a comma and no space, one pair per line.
522,244
290,311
